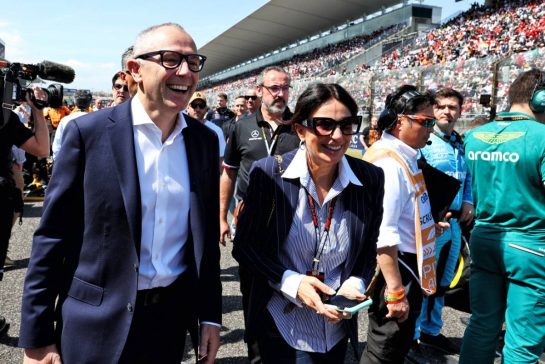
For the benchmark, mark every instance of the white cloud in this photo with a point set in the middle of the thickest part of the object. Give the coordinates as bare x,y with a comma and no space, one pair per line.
93,76
15,46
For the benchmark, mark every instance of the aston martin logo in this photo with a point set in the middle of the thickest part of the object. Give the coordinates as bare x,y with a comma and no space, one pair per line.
495,138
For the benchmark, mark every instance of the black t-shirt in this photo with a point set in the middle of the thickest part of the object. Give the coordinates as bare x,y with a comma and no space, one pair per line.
246,145
13,133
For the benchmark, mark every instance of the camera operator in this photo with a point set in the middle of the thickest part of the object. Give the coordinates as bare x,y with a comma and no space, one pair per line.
13,132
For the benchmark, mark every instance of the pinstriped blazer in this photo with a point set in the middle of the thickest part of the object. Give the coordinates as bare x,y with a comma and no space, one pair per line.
266,220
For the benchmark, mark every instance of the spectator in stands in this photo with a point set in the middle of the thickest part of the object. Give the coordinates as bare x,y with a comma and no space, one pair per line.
240,111
197,109
131,83
253,102
263,134
446,153
120,90
406,242
508,242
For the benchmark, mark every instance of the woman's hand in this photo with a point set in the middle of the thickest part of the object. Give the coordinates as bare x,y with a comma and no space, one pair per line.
308,293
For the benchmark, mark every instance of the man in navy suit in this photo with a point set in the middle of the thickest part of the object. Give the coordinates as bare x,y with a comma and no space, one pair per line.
124,262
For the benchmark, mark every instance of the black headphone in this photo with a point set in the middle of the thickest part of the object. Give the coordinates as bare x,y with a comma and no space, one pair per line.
537,101
388,116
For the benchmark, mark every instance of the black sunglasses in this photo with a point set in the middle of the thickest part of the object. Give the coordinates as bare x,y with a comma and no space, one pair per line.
326,126
250,97
171,59
119,86
197,104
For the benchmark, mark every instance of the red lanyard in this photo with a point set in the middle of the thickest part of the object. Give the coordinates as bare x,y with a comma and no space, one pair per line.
320,239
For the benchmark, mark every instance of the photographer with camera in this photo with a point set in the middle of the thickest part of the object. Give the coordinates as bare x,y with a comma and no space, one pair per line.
13,132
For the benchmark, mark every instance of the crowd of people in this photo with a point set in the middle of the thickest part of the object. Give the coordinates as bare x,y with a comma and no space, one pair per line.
313,63
318,234
469,44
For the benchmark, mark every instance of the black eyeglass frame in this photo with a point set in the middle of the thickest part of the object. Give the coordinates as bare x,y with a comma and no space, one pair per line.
183,57
285,88
250,97
354,121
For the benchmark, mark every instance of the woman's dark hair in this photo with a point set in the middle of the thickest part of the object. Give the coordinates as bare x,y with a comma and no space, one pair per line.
316,95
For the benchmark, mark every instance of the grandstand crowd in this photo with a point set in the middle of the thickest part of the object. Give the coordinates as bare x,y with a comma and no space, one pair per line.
451,91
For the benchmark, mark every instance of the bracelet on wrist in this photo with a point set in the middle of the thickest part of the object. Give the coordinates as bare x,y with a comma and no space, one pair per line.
395,302
391,298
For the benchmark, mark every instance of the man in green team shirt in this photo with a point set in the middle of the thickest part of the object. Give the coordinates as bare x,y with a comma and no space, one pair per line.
506,159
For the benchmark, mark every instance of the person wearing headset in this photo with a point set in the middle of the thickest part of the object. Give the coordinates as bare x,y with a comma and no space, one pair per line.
406,242
506,159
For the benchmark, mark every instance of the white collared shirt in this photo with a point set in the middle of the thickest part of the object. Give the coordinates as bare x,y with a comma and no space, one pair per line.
302,328
163,174
397,227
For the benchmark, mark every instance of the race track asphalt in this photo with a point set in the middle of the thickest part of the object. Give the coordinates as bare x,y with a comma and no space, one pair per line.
233,349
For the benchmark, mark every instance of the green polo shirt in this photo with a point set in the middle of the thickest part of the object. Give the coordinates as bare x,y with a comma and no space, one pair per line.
506,159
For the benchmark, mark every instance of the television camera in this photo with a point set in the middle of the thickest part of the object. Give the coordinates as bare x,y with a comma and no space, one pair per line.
15,80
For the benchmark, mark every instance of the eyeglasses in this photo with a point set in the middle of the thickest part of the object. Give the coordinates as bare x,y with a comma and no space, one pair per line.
253,97
425,121
171,60
275,89
196,104
119,87
326,126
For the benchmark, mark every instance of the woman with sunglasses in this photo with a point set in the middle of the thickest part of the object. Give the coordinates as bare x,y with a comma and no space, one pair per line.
406,243
308,232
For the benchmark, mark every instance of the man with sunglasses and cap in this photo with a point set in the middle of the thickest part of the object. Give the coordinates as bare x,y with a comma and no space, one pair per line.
406,242
126,259
197,109
265,133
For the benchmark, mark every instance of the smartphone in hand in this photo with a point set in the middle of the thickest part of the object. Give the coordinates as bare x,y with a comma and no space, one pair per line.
344,304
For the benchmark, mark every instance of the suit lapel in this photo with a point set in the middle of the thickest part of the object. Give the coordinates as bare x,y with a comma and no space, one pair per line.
287,196
194,150
353,200
120,133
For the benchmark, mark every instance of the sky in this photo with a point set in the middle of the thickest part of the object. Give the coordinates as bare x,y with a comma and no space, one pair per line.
91,38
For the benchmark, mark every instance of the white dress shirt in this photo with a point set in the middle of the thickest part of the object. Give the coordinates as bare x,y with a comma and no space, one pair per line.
397,227
163,174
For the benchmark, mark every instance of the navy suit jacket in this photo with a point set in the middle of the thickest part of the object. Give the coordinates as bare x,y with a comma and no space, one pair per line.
266,220
86,249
